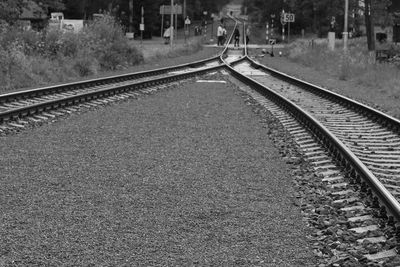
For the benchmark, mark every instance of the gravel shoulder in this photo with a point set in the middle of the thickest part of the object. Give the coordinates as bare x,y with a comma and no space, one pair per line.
186,176
371,96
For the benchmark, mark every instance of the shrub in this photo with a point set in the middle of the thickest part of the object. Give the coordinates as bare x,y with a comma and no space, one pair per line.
70,44
15,67
109,45
85,64
52,42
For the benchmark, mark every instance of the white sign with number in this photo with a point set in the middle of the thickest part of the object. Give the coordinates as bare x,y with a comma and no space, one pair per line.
141,27
288,17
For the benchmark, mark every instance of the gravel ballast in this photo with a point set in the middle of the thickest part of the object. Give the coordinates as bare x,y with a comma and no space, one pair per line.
186,176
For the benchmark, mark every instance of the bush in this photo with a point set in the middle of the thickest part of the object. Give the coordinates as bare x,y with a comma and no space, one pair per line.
108,43
15,67
52,41
70,44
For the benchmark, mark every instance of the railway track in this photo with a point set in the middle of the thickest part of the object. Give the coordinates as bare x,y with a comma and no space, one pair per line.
18,109
39,103
353,148
375,141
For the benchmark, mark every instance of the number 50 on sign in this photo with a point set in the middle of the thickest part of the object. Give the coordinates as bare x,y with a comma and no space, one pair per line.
288,17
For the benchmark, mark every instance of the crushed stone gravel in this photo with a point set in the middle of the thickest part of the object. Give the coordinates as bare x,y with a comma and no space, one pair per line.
187,176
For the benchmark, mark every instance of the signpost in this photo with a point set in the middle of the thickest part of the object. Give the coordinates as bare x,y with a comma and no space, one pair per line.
346,19
170,10
286,18
187,25
272,42
162,12
166,10
213,16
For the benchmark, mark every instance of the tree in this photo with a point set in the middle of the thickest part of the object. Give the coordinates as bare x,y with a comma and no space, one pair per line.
10,10
52,5
316,15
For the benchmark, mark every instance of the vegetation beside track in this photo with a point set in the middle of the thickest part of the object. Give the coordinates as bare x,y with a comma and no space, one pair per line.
349,74
31,59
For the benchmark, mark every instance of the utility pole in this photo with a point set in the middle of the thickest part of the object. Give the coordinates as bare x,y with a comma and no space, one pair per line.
346,21
184,9
172,23
369,22
130,15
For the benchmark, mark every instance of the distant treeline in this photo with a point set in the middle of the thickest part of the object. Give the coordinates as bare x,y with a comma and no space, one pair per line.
317,15
84,9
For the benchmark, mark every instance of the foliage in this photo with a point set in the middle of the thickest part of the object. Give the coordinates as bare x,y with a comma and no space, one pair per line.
152,18
316,15
10,10
345,66
30,57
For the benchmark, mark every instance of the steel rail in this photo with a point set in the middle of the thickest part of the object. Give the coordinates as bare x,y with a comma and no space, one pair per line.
25,94
382,118
86,96
112,90
21,112
226,48
339,150
8,97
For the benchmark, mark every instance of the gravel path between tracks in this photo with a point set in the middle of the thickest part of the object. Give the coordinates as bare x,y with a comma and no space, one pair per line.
187,176
373,97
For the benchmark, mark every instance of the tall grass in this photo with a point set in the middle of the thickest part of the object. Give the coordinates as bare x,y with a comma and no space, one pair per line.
33,58
355,64
374,83
153,52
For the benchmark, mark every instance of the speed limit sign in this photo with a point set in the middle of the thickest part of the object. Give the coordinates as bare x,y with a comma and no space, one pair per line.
288,17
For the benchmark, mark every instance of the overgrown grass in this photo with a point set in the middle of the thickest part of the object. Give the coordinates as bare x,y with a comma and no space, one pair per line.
354,74
155,51
355,64
30,58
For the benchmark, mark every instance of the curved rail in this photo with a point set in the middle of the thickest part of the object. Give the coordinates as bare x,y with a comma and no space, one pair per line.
16,113
341,152
44,104
4,98
385,119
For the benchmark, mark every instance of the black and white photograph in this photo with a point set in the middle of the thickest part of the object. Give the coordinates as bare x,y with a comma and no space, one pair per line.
200,133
